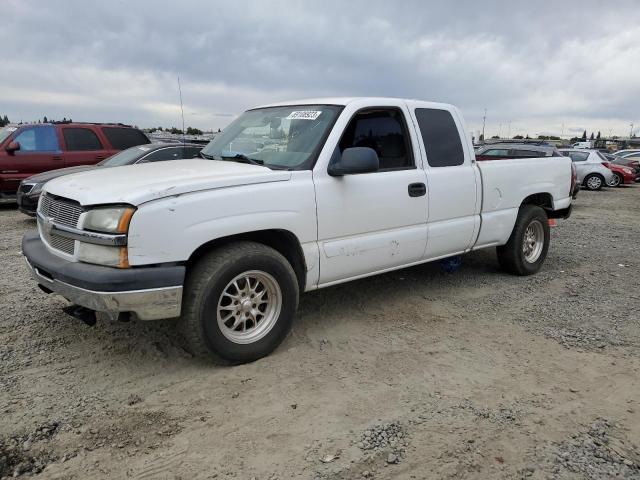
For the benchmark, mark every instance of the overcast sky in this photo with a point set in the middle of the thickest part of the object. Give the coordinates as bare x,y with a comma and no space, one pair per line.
537,67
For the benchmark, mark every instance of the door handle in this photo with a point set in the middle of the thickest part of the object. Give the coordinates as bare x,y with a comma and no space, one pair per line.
56,157
417,189
99,157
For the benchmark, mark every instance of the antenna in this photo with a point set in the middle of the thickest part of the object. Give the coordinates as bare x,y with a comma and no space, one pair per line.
181,109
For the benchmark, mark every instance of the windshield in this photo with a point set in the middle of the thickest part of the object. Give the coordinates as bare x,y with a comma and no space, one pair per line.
125,157
5,132
277,137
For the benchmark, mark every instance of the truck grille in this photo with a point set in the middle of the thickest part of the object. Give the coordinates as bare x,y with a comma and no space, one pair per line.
63,212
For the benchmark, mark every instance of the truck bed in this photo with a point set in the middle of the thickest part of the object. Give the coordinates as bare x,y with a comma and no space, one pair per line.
502,196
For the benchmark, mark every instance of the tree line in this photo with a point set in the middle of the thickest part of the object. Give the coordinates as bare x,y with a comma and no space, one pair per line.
4,121
553,137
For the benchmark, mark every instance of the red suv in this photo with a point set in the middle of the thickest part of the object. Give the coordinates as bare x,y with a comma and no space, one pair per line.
34,148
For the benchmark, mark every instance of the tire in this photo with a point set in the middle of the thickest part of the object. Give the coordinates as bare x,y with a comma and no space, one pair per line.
209,313
616,180
512,256
593,182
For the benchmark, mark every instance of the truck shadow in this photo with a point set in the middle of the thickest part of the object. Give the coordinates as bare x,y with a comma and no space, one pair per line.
153,343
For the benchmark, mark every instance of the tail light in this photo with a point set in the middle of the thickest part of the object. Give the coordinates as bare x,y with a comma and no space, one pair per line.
574,178
607,164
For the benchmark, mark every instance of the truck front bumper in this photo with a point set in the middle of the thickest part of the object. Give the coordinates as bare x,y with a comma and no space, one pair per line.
148,293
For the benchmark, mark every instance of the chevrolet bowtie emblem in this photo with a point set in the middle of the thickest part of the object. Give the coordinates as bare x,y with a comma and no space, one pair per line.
47,224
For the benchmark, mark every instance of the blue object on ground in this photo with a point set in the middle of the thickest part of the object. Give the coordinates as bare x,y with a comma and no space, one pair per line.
451,264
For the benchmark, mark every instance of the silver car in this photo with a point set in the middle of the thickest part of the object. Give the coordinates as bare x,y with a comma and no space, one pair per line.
592,174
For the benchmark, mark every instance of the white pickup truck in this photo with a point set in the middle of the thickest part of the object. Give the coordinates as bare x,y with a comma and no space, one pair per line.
290,197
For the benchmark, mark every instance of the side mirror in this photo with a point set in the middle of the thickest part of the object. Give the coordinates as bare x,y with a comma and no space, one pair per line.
12,147
355,160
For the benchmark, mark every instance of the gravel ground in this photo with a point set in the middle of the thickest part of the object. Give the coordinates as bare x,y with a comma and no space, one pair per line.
413,374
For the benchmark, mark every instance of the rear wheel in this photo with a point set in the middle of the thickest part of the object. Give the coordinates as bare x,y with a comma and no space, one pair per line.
525,251
593,181
616,180
239,304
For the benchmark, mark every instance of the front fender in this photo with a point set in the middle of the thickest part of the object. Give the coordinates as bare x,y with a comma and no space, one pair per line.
171,229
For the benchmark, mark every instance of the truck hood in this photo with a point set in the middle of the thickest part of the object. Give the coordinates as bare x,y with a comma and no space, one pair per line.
137,184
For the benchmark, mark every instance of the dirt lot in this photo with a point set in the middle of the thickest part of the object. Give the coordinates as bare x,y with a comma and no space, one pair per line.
413,374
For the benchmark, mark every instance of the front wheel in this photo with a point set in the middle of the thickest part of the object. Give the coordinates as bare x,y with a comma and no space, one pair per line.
239,303
594,182
525,251
616,180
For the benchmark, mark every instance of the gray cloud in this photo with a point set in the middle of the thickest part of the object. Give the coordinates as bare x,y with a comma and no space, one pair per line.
536,66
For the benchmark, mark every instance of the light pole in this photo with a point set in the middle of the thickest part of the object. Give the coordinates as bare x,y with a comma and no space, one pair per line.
631,132
484,121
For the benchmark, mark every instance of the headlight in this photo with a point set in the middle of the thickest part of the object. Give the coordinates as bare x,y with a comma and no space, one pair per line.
37,188
103,255
628,170
108,219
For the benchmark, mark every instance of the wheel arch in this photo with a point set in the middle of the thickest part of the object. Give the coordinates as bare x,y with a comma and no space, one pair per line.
542,199
283,241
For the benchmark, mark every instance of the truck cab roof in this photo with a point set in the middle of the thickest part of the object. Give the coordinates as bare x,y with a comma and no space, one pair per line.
344,101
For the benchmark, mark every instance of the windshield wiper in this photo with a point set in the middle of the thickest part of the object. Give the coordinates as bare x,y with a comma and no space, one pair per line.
242,158
204,155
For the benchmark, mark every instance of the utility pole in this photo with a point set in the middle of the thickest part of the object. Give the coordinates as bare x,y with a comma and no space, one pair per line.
484,121
500,131
631,132
509,131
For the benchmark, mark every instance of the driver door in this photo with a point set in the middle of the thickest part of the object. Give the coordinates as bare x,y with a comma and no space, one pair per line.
373,221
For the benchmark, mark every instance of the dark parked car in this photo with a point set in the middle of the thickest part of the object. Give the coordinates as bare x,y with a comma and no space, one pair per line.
30,188
505,151
34,148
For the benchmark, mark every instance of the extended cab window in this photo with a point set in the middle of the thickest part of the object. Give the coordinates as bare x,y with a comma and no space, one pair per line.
81,139
122,138
384,130
440,137
38,139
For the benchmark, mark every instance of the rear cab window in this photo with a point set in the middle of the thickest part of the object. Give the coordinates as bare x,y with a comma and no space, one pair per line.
440,136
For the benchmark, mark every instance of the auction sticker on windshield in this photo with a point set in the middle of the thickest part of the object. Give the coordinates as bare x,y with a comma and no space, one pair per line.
304,115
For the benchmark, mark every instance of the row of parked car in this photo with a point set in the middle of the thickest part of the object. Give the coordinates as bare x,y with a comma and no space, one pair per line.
595,169
34,154
31,155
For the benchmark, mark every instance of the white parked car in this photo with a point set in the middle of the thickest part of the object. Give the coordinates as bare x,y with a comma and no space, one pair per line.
581,145
627,153
592,174
290,197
